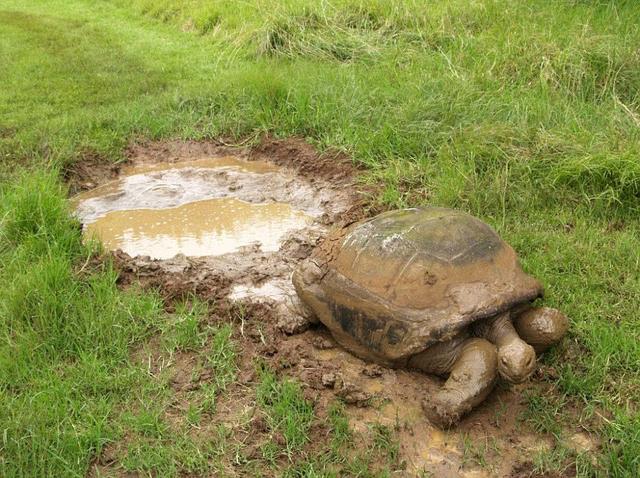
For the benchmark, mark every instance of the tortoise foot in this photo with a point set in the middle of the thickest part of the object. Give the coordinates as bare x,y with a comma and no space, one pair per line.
441,412
471,379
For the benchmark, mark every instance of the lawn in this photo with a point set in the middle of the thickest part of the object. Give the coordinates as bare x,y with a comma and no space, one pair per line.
525,113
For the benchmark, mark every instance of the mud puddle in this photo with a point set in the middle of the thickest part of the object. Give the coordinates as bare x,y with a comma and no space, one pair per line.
204,207
206,218
201,228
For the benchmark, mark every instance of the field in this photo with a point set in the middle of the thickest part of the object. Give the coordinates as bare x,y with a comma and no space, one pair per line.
525,113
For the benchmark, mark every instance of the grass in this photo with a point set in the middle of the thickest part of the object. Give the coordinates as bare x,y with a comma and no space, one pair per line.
221,360
64,359
525,113
288,413
184,334
349,453
384,442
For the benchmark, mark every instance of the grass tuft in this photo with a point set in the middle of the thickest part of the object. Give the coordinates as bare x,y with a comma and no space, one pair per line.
286,409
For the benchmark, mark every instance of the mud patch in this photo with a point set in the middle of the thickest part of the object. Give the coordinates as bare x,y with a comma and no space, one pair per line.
271,290
89,172
169,185
490,441
209,206
226,223
249,286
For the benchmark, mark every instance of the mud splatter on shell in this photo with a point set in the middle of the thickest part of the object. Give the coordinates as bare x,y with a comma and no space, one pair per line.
393,285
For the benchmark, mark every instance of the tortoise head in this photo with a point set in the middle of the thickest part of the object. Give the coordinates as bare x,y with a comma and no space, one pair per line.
516,359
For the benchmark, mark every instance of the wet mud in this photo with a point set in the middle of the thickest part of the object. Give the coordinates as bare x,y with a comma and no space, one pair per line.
490,441
176,184
251,286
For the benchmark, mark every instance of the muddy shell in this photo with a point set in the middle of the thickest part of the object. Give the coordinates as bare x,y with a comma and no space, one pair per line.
393,285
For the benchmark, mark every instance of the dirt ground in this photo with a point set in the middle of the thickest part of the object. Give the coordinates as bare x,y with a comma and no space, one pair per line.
252,289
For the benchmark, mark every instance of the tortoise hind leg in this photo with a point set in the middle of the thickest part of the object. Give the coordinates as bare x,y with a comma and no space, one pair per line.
472,375
541,327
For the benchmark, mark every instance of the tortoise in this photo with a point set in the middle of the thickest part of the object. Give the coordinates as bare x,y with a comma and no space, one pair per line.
432,289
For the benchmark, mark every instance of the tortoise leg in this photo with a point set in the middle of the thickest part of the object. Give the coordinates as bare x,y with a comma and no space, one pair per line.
541,327
472,365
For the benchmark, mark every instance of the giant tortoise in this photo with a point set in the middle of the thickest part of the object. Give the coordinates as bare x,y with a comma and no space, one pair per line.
431,289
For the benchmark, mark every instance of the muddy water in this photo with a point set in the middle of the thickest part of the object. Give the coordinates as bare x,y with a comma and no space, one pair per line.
202,228
154,186
138,178
202,207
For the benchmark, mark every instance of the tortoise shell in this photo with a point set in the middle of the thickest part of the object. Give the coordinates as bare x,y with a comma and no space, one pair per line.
392,285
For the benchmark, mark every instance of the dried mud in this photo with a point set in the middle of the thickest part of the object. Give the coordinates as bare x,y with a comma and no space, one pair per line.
251,288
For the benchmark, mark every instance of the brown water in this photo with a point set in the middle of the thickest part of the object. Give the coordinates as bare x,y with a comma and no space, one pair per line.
202,228
202,207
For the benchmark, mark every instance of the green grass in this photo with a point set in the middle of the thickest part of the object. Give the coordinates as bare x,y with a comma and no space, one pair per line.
525,113
287,412
221,360
384,442
349,453
184,333
64,358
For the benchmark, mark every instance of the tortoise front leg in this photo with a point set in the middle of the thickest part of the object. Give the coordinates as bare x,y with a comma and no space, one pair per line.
541,327
472,365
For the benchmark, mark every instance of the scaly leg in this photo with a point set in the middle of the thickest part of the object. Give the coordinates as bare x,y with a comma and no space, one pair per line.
473,369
